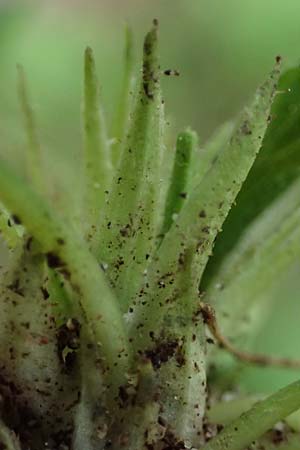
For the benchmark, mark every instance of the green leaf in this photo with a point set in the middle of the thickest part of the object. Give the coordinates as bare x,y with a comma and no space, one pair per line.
34,158
203,157
255,422
185,147
276,167
294,421
268,248
204,212
98,169
128,233
224,412
125,102
63,306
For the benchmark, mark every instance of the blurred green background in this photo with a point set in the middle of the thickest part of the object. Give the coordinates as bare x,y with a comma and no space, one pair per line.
222,49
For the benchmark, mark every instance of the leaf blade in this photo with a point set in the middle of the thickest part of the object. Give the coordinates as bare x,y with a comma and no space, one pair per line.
98,169
261,417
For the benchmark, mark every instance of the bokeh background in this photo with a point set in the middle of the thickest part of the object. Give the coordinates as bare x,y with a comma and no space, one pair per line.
222,49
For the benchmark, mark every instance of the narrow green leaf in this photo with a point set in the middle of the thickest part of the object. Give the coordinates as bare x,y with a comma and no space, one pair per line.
293,421
250,273
34,160
225,412
128,233
63,248
177,193
63,306
125,102
141,243
276,167
204,212
255,236
96,152
203,157
259,419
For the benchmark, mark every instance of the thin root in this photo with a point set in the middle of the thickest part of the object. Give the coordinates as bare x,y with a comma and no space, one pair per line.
209,317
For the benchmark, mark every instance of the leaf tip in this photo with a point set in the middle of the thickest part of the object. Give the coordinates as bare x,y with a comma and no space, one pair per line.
151,73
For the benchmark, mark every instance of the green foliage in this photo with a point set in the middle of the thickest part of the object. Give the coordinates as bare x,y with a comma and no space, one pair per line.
276,167
185,147
107,302
257,420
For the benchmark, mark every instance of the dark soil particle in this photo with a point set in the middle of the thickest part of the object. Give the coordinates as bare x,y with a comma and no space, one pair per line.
15,287
28,243
165,350
172,442
171,72
53,260
277,436
126,231
16,219
45,293
245,128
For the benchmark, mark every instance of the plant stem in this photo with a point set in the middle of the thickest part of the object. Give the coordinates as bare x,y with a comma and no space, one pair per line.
68,251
